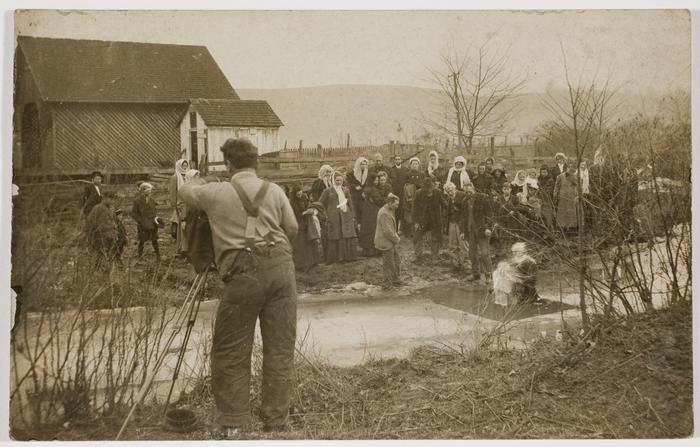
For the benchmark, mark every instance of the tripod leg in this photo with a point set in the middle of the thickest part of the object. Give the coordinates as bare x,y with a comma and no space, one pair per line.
192,317
177,325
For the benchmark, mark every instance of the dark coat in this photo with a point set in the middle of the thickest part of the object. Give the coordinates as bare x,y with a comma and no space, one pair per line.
144,213
317,189
479,214
483,183
427,209
353,184
368,224
339,224
438,175
90,198
397,177
556,172
101,224
456,207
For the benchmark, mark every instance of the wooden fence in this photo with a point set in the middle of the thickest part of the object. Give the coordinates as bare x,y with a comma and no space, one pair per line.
302,165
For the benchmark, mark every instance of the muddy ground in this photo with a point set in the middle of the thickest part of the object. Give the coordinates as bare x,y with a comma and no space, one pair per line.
633,381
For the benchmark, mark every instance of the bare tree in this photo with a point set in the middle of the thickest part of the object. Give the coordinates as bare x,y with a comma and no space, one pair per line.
479,89
581,115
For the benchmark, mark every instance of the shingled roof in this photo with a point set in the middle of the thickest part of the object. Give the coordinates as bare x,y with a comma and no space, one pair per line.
102,71
243,113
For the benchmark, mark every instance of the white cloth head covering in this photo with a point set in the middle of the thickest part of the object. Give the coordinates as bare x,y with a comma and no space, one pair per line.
411,161
145,186
360,174
516,180
180,172
323,172
433,166
342,200
463,175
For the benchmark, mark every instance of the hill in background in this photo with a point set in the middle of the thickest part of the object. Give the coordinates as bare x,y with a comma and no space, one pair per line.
371,114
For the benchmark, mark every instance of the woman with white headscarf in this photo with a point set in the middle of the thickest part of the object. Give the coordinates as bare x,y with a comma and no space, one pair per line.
322,183
457,175
179,210
357,180
434,170
341,233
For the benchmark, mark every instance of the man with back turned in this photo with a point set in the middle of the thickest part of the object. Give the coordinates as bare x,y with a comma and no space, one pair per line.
252,224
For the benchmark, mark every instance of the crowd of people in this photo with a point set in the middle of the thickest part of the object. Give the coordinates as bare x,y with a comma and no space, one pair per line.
466,212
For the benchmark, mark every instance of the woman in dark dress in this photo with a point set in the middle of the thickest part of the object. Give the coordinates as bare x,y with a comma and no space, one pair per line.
305,250
341,235
322,183
356,181
373,200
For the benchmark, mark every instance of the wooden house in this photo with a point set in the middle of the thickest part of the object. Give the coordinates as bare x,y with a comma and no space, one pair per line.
208,123
81,105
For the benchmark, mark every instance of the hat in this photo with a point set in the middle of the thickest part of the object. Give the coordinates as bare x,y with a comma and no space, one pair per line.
145,186
95,174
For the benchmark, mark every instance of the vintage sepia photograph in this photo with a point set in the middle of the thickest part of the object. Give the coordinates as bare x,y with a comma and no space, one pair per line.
351,225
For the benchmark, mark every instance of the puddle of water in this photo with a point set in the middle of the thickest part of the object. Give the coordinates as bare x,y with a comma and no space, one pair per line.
476,300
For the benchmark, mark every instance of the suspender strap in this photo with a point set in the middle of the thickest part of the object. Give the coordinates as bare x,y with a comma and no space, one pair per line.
251,209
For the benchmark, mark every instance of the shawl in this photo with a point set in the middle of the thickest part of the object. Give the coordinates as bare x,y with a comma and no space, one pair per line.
342,200
433,166
360,175
463,176
180,171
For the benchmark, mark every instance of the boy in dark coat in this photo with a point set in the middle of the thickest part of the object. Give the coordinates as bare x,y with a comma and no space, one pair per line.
427,218
92,194
101,227
144,213
478,222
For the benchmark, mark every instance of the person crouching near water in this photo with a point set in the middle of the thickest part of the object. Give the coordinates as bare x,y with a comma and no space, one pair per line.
515,279
386,240
144,213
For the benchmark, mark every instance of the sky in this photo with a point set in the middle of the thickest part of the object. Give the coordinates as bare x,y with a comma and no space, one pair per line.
638,51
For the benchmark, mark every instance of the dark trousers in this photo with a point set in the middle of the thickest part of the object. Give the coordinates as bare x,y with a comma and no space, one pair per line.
268,293
154,243
392,265
419,239
480,253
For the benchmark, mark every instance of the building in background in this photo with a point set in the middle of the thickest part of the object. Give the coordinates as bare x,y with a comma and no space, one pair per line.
84,105
208,123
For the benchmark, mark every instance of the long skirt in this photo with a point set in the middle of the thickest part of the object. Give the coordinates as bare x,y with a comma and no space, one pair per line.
341,250
368,226
306,252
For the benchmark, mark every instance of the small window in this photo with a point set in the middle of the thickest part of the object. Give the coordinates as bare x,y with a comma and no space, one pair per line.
193,120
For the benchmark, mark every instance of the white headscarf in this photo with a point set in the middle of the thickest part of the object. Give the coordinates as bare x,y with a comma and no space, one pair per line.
180,172
516,180
433,166
190,174
325,169
463,176
342,200
360,175
411,161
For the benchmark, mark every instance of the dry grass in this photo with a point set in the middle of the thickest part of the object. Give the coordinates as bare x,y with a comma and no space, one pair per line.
635,382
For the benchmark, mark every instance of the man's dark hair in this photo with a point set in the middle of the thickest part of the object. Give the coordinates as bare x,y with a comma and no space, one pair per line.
240,153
